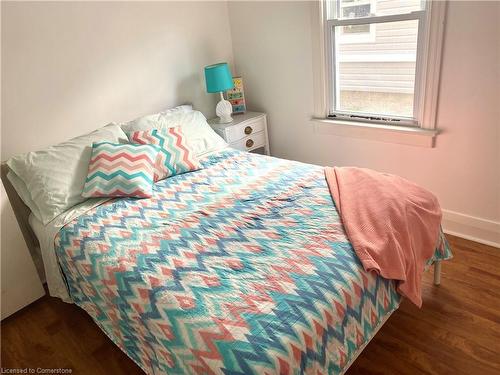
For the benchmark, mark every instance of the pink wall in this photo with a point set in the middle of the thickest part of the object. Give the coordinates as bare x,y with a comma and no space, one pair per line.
272,43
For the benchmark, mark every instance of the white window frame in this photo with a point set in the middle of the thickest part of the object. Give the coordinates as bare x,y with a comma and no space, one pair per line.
429,51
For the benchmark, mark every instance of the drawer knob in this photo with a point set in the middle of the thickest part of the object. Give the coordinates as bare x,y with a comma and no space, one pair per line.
249,143
248,130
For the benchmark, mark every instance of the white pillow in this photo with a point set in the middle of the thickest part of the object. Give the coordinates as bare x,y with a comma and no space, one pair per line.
130,126
55,176
201,138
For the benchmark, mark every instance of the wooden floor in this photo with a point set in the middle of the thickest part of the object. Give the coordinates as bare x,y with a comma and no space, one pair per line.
457,331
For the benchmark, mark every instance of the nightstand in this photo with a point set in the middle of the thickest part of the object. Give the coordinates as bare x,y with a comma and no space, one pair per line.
247,132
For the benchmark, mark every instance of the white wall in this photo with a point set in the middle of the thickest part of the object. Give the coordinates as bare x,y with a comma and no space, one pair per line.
70,67
272,45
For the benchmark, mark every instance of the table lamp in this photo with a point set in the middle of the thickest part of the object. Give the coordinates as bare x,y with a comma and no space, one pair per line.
218,79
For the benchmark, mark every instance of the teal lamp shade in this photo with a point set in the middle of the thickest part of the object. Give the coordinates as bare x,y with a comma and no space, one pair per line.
218,78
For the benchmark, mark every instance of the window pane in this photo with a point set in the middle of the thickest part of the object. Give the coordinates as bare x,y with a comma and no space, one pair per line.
376,75
356,29
348,9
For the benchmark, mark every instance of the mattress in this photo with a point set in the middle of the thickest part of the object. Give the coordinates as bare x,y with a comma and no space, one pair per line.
242,267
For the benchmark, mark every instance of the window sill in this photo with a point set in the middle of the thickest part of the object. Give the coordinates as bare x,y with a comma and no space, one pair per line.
378,132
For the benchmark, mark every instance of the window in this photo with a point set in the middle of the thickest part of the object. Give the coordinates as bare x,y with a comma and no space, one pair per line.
382,60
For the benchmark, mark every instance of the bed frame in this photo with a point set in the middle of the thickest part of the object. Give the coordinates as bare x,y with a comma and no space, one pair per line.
437,272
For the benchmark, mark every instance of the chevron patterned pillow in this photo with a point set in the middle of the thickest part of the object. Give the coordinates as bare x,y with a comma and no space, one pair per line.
121,170
175,156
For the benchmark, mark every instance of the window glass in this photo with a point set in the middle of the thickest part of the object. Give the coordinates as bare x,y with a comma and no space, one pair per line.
351,9
377,77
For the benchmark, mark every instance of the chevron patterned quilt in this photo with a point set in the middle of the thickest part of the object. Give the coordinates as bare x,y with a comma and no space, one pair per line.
242,267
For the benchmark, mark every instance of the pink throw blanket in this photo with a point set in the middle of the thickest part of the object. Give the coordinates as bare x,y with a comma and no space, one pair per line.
392,223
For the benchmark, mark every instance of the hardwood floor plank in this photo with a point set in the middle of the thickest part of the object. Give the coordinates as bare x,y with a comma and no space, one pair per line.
459,341
457,331
382,354
413,360
455,319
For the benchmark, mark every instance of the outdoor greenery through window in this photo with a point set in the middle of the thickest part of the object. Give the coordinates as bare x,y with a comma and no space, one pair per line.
374,50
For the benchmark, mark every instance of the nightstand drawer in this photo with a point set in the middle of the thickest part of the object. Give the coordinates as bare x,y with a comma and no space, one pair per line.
246,128
247,132
250,142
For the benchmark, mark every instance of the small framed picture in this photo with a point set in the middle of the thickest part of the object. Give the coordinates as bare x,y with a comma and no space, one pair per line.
236,96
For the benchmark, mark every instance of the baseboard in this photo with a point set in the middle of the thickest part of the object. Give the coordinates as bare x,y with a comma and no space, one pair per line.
472,228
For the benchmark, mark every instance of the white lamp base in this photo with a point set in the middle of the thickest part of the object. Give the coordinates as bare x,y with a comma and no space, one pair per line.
224,110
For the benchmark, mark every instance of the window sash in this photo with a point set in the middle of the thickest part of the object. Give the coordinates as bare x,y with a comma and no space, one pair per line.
377,19
333,92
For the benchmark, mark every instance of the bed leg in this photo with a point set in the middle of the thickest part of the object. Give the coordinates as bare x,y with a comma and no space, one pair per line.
437,272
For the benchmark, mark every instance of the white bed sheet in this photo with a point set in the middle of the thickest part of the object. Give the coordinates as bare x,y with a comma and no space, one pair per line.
46,235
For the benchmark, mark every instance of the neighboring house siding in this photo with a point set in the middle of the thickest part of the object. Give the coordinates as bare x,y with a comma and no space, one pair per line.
382,60
394,77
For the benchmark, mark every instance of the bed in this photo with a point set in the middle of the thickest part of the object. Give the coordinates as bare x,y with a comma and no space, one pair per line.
241,267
